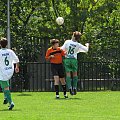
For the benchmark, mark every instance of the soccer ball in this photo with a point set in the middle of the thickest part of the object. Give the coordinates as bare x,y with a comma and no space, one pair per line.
60,20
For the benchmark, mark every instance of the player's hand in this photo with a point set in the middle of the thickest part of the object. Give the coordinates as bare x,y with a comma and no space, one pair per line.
52,56
87,44
17,70
65,52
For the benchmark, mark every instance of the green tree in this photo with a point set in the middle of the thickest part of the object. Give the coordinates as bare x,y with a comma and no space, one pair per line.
98,20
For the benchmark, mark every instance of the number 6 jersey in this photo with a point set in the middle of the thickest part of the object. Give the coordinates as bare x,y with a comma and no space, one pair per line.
7,60
72,48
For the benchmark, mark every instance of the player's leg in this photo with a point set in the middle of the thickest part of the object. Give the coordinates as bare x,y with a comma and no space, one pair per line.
7,94
62,79
67,65
56,84
75,81
56,78
75,76
69,80
5,97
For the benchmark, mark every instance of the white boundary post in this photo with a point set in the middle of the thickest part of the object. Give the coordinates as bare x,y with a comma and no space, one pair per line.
8,24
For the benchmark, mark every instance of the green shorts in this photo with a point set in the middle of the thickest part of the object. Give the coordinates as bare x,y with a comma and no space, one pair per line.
71,64
4,84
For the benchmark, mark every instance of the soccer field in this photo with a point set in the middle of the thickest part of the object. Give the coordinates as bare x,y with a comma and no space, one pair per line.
43,106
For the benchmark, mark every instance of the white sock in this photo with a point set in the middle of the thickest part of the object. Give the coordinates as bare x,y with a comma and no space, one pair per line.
12,103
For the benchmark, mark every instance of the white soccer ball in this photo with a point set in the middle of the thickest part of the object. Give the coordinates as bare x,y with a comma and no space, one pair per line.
60,20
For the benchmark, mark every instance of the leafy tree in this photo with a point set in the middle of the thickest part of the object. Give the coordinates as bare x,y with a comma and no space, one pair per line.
33,22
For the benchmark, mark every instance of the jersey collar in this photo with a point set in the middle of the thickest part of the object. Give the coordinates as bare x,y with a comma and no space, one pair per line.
73,40
53,48
3,48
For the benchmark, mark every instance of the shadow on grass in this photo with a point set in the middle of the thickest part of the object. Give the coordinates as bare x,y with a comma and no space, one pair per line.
69,99
75,98
6,110
24,94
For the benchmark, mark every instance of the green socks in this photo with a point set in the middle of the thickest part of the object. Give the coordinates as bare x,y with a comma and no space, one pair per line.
8,95
68,81
4,94
75,81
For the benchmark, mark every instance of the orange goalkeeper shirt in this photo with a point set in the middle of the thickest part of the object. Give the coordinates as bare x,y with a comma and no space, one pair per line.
58,53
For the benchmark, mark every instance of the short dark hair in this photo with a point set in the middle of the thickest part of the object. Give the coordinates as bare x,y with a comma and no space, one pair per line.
77,35
53,41
3,42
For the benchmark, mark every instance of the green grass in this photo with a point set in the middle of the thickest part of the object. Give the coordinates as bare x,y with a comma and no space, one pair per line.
43,106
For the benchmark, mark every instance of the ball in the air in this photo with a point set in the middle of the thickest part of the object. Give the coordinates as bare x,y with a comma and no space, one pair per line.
60,20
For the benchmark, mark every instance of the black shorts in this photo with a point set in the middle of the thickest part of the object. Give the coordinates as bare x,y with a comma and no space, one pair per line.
57,70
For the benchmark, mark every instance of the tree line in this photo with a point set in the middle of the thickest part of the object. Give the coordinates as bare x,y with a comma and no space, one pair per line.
32,20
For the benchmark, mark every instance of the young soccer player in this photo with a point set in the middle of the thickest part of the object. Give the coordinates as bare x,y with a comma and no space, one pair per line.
54,54
72,48
7,60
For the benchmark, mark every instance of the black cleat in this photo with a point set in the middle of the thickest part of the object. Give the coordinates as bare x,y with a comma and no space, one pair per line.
11,106
75,91
57,96
66,96
5,101
71,92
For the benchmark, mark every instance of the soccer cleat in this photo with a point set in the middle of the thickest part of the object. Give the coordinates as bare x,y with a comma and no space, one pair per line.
74,91
57,96
71,92
5,101
66,96
11,106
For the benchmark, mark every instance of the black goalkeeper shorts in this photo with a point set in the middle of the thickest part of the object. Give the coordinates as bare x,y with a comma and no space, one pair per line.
57,70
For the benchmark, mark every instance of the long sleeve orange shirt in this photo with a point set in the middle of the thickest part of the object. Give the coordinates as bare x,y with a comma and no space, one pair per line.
58,53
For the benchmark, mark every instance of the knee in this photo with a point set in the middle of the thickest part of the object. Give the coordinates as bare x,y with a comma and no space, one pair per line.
74,74
56,80
7,88
62,80
68,74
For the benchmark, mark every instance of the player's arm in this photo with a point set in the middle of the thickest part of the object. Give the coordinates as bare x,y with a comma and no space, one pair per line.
62,52
48,56
17,68
64,46
83,48
15,61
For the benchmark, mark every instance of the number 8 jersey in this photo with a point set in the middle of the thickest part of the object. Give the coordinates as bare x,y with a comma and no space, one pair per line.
72,48
7,60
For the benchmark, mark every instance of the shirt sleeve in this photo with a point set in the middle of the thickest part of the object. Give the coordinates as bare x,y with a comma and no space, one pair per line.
15,57
64,46
83,48
47,55
62,52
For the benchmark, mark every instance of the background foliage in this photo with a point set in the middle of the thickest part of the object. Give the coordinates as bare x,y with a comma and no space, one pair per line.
33,24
